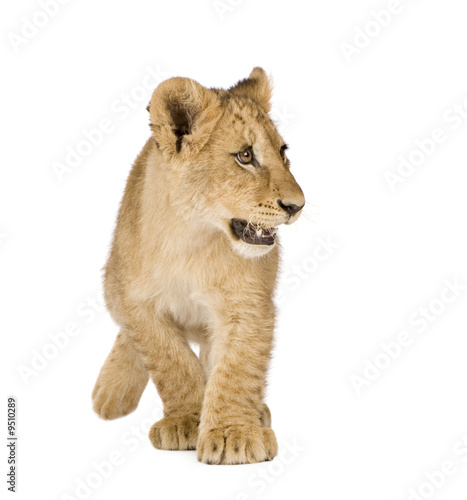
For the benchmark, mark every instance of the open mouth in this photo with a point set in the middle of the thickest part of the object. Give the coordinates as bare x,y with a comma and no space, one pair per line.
251,234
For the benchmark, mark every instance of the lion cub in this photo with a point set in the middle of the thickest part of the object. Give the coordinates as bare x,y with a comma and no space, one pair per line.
194,259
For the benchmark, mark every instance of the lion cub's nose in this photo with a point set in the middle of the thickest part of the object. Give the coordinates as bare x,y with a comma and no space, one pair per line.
290,208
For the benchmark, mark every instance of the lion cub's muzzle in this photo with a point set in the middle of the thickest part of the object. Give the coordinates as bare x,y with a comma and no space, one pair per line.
290,208
252,234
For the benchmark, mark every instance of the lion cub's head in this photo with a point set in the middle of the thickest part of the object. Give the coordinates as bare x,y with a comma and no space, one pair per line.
226,161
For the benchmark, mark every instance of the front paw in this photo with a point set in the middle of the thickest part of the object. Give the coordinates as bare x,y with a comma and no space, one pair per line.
175,433
237,444
116,397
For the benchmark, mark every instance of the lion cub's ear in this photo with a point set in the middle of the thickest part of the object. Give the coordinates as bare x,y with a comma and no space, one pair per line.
183,114
256,86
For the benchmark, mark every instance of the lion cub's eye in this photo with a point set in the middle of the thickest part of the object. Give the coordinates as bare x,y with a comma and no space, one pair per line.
245,157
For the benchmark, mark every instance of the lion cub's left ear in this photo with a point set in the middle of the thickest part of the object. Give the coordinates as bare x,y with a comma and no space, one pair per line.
183,114
257,86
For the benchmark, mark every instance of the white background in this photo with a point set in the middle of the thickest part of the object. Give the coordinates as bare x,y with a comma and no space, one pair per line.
347,121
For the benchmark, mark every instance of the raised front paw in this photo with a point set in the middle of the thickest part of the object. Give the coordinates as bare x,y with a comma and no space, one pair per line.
175,433
237,444
115,397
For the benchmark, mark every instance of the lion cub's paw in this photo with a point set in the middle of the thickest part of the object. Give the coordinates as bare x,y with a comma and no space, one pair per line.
113,399
265,416
237,444
175,433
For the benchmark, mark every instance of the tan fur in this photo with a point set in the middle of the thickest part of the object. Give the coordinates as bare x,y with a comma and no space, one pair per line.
177,274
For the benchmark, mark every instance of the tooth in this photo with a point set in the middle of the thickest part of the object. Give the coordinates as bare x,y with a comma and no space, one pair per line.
259,232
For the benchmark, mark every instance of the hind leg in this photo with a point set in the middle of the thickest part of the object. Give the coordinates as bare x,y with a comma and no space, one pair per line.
121,381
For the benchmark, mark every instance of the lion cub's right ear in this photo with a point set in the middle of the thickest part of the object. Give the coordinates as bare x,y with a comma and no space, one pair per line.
183,114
